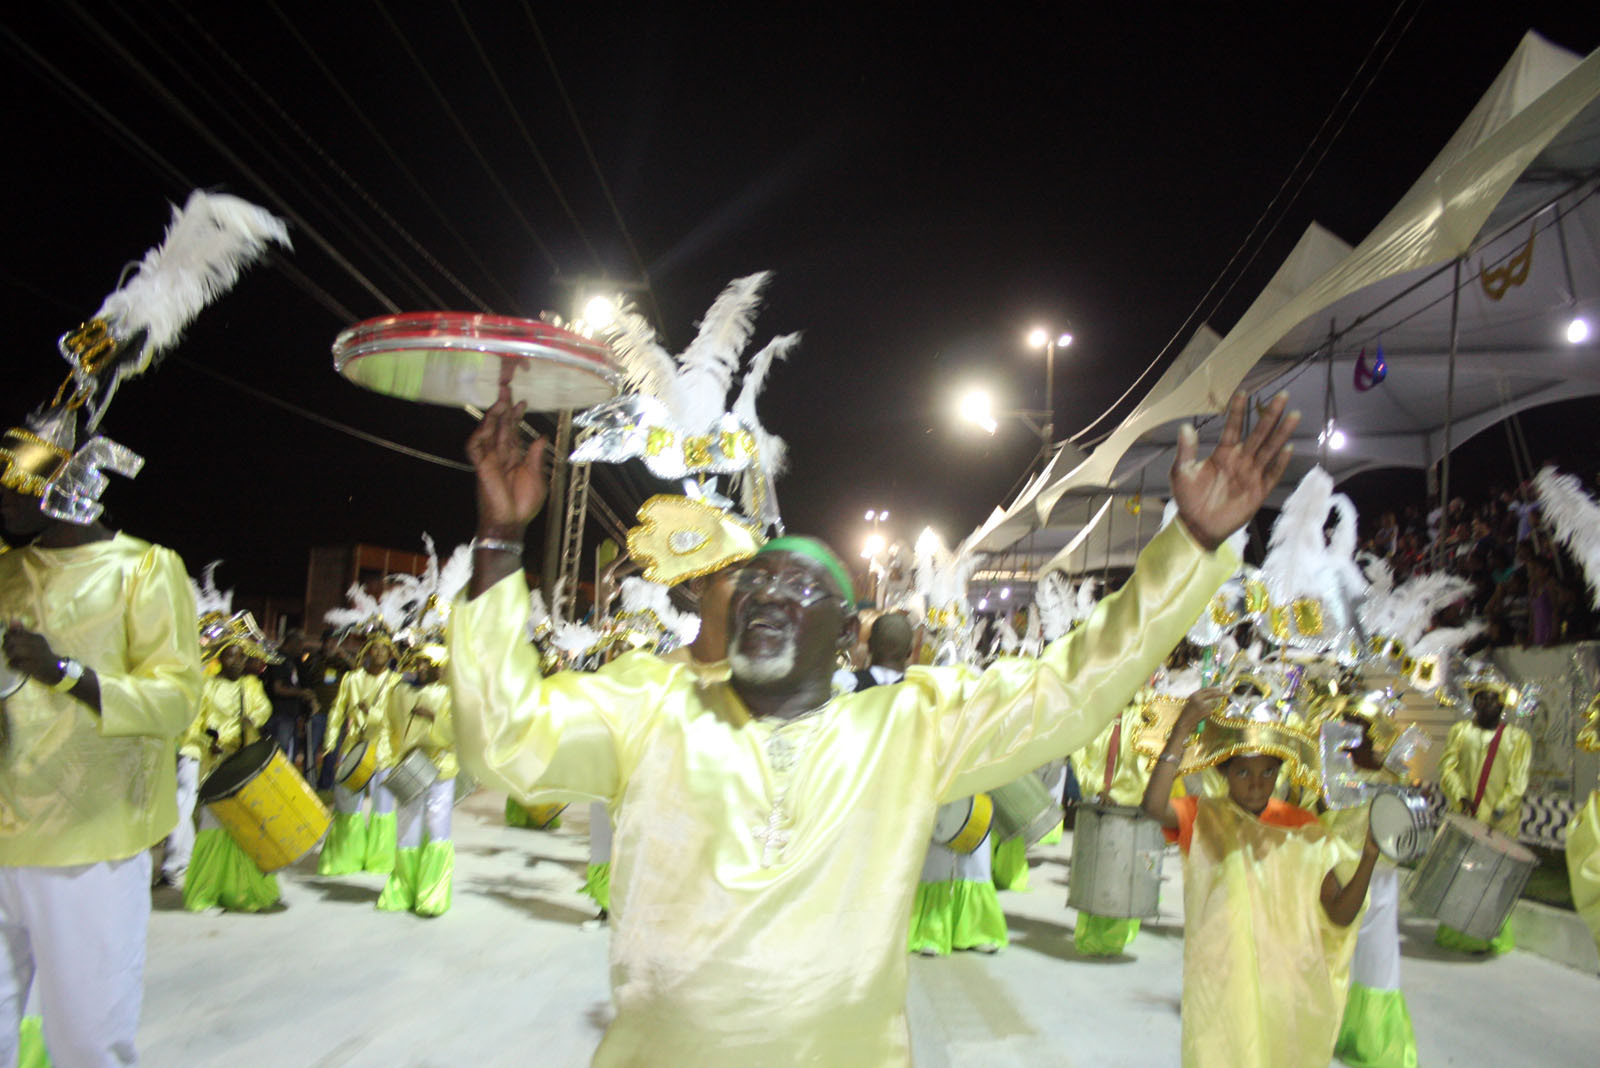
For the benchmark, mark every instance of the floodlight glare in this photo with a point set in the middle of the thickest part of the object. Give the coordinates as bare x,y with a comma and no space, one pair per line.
1577,330
600,312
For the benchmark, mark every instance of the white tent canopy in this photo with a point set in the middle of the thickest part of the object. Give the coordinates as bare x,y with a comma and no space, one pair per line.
1525,162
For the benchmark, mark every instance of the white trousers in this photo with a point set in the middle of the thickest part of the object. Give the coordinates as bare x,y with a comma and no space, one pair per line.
180,843
78,934
599,833
1376,964
348,801
943,864
426,817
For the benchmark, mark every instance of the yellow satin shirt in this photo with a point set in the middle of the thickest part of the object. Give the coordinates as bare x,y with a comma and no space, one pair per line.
76,787
1265,972
235,709
363,702
412,728
1131,775
1461,764
763,872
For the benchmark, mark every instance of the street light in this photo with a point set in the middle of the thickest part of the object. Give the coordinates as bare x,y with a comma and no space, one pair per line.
977,407
1040,338
600,312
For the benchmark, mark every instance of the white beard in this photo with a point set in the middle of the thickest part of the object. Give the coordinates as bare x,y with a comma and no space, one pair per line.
762,670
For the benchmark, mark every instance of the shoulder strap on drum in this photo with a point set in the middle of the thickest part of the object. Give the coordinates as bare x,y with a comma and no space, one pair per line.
1488,763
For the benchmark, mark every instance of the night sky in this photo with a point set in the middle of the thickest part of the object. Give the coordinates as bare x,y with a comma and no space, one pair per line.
926,181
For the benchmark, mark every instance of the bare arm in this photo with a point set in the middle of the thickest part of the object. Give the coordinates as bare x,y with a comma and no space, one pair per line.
1343,903
1157,802
511,490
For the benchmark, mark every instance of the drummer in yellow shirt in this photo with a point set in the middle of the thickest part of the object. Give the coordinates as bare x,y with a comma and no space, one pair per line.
360,712
748,811
102,627
1114,775
233,709
1483,774
425,857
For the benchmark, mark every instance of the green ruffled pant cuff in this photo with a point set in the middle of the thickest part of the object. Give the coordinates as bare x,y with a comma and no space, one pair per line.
1056,834
597,884
517,816
383,838
1010,864
400,889
344,850
977,922
1450,938
220,873
931,911
436,868
1376,1032
30,1047
1103,936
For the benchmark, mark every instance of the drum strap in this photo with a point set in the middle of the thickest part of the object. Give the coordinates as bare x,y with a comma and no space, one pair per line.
1488,764
1112,753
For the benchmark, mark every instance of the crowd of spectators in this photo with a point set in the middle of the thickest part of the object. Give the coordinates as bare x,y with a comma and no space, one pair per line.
1526,589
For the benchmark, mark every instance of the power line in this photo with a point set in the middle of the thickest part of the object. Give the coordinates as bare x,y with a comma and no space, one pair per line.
1271,204
594,164
466,135
189,117
522,128
394,157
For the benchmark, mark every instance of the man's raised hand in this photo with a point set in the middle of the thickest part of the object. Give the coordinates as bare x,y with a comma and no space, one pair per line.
511,478
1218,495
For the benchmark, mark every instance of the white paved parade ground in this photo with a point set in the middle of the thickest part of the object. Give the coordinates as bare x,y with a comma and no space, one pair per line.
512,977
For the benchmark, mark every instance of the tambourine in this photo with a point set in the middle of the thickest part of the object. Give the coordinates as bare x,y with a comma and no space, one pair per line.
461,358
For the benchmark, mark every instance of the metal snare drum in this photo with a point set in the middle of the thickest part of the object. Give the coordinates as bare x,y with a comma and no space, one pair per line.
1402,825
465,785
357,767
1116,862
961,826
1471,877
1024,809
413,775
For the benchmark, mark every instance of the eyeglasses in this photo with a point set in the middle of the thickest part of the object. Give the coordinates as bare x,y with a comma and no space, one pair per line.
800,586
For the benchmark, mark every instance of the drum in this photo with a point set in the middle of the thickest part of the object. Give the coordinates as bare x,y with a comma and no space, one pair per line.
961,826
357,767
1116,862
265,805
461,358
1025,809
1471,877
1401,824
413,775
465,785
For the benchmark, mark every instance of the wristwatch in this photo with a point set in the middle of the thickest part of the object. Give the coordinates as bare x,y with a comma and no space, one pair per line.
71,672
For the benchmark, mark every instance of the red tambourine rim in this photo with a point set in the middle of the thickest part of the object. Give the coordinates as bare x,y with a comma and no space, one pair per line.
465,330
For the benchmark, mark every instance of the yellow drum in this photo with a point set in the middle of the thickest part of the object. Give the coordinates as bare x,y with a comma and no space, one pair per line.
265,805
357,767
962,825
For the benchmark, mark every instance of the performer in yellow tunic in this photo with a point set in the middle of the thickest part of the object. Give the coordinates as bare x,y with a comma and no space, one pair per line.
359,712
425,857
1269,899
1112,778
1483,773
233,708
1583,838
748,812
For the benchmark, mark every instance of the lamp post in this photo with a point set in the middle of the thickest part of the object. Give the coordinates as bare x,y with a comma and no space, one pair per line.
1042,338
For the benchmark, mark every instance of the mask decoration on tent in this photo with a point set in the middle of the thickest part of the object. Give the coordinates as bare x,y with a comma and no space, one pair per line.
1497,280
1368,376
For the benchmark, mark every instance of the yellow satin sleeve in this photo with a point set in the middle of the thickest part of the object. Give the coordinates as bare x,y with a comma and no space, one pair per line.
1131,775
363,703
235,709
1265,972
78,786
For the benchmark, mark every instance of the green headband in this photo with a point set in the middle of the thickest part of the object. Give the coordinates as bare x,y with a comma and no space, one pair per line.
813,549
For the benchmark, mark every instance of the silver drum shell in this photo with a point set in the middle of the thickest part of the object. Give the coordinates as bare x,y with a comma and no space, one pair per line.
1116,862
1471,877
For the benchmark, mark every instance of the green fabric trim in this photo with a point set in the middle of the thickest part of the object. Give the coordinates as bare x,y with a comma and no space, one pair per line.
1009,864
344,850
1449,938
517,816
1103,936
977,920
818,551
400,889
435,876
1376,1031
931,912
597,884
30,1048
221,873
383,839
1054,835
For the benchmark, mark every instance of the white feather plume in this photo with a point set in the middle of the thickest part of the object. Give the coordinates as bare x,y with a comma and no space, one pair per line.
1007,639
1574,518
646,366
707,366
207,598
208,244
1033,636
1446,641
1057,604
455,574
362,607
1086,599
640,596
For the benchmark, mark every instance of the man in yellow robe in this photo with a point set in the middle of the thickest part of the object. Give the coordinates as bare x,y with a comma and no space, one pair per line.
768,837
102,628
1483,774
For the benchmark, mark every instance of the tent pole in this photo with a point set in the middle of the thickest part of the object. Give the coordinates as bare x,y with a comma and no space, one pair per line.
1449,417
1138,517
1111,517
